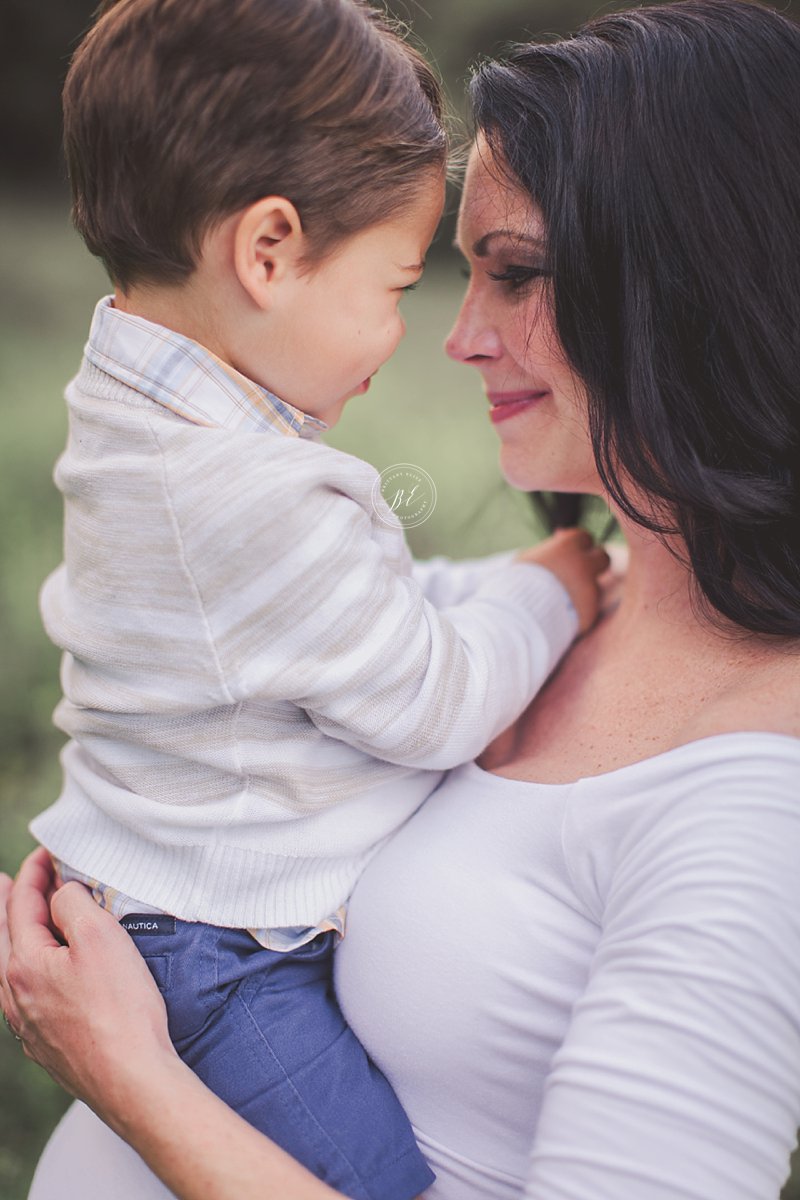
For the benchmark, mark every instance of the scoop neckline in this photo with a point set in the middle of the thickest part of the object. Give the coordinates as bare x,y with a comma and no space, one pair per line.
644,764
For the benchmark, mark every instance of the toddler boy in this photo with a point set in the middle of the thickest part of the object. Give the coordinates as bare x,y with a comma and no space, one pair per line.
259,684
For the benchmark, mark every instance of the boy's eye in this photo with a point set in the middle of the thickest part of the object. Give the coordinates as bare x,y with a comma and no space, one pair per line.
518,277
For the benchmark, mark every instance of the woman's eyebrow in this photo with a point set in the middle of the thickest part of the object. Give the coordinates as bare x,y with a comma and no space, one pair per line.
481,248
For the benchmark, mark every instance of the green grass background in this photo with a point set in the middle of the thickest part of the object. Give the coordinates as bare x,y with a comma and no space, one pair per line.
421,409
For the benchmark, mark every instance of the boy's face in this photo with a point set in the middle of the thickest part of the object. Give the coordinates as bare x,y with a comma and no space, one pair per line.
336,324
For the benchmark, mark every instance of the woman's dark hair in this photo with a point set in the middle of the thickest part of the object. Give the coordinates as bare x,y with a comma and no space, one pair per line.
177,114
662,148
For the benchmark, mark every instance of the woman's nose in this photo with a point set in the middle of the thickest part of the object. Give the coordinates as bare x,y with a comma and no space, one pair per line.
472,339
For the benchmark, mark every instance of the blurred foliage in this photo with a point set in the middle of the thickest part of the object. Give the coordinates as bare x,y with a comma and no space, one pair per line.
47,286
37,38
420,410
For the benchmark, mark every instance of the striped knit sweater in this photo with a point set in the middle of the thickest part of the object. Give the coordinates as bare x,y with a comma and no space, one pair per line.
259,684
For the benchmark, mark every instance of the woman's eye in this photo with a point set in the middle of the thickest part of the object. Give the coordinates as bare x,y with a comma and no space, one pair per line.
518,277
411,287
465,273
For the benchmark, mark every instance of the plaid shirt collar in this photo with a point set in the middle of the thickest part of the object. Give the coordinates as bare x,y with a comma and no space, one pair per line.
185,377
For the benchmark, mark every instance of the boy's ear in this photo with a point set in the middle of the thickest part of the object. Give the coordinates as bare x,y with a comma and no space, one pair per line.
267,244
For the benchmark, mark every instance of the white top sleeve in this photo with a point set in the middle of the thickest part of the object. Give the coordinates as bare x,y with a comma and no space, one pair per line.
679,1077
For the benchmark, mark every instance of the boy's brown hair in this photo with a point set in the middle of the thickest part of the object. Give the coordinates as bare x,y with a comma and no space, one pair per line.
178,114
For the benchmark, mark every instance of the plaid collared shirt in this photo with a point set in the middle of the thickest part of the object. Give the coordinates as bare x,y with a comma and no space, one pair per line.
186,378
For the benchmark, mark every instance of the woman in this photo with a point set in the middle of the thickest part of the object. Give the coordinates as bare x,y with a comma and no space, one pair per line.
579,963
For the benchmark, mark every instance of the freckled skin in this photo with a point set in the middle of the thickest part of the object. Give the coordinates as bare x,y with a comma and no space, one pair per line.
653,673
505,330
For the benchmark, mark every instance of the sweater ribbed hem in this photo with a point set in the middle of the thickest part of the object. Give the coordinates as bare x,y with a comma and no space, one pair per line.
220,885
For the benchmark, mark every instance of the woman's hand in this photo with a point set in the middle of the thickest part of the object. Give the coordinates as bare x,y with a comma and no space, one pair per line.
88,1011
85,1006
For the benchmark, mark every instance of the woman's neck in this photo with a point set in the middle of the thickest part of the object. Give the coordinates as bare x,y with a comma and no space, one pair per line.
658,584
660,591
654,672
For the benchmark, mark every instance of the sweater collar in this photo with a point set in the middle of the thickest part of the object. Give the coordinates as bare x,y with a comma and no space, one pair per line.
185,377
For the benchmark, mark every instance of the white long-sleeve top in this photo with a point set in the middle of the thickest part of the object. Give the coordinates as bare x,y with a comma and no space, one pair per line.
258,687
613,1013
583,991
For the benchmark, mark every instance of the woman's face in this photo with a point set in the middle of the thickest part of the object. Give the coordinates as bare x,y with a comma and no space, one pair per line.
505,329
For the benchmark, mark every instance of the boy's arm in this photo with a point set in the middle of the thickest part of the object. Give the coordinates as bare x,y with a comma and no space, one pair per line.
311,601
437,685
446,581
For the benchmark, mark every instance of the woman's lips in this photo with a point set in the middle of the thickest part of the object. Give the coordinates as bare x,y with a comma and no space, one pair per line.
508,404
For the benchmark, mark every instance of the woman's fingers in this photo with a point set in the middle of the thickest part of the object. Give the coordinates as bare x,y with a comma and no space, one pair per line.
27,908
5,945
24,933
83,925
5,892
70,978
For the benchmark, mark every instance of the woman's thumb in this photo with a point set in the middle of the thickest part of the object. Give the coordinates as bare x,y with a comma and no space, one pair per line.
77,916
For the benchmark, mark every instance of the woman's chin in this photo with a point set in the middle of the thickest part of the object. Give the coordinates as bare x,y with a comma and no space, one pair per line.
523,475
526,476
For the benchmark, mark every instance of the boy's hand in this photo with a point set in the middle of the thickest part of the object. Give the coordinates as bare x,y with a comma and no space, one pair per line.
575,560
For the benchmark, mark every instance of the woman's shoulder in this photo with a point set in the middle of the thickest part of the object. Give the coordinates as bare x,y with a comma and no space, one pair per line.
735,766
764,697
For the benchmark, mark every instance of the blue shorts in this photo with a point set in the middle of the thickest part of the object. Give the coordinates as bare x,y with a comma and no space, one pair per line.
264,1031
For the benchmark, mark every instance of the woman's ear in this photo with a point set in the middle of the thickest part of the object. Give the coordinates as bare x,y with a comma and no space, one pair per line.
267,244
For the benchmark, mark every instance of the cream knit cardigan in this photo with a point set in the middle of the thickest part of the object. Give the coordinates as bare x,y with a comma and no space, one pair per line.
259,685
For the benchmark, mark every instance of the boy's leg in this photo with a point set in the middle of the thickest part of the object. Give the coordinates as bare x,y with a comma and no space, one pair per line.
263,1030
